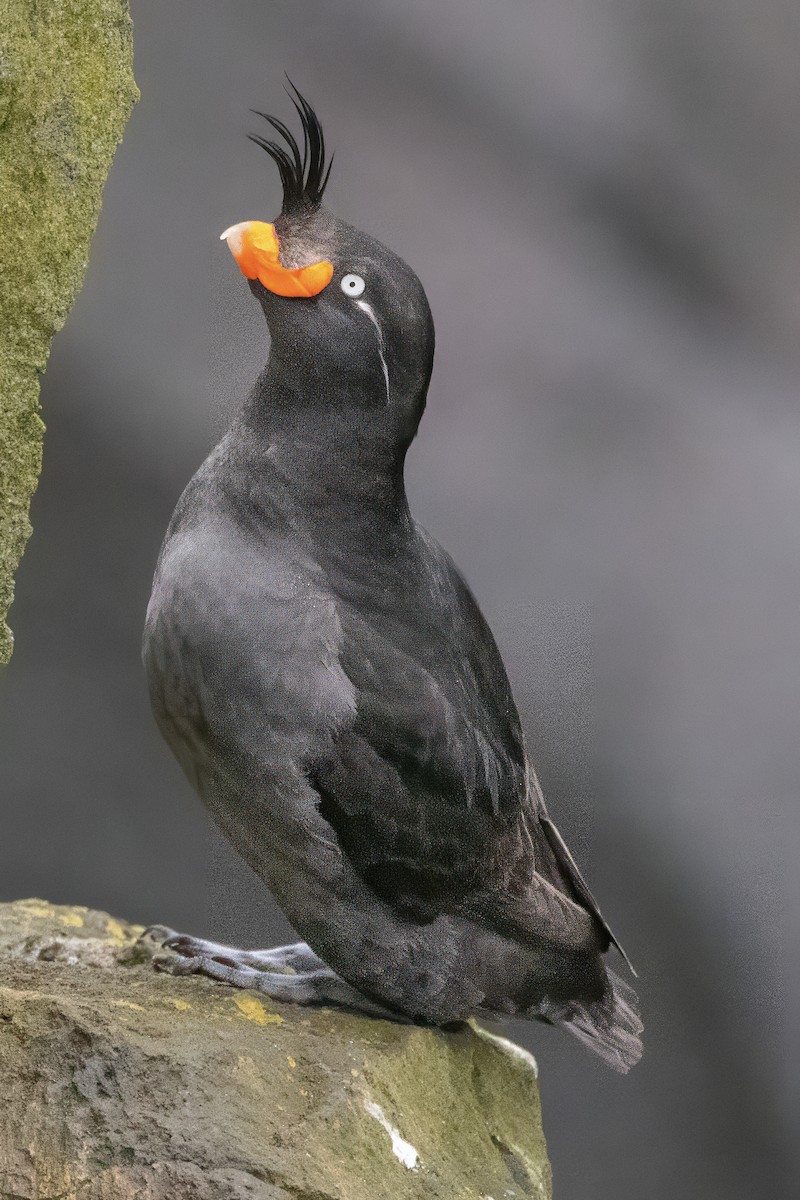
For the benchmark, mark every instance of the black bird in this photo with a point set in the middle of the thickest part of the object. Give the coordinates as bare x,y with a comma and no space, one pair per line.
327,681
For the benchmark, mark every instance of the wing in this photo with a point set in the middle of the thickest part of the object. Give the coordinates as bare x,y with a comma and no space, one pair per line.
555,862
427,787
417,792
431,814
421,783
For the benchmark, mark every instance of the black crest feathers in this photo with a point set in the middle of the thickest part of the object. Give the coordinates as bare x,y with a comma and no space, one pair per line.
304,175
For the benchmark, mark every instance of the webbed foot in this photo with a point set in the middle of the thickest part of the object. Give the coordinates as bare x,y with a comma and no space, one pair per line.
292,974
286,959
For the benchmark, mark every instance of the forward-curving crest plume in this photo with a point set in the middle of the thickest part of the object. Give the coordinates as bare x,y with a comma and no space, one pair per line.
304,175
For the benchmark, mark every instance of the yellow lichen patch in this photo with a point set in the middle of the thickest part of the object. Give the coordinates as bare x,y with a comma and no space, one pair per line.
50,912
71,918
128,1004
254,1010
181,1005
116,930
291,1061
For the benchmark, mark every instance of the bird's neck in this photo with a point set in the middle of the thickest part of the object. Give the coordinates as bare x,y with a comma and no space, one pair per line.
336,467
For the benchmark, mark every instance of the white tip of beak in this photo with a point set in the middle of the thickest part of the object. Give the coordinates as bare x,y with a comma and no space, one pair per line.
234,235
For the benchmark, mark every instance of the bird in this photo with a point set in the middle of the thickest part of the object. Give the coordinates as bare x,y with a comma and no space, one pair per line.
328,683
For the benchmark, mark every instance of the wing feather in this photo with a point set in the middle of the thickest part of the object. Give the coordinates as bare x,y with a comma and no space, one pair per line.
427,788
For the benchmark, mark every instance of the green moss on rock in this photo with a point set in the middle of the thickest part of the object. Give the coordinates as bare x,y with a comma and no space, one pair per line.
120,1082
66,91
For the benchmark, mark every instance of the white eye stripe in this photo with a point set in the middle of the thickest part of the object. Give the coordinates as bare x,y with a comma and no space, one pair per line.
352,285
367,308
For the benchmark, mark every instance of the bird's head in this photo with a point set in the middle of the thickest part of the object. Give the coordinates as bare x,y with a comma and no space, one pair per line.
349,320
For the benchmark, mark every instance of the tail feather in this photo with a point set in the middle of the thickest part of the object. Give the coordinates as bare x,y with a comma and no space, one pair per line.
611,1026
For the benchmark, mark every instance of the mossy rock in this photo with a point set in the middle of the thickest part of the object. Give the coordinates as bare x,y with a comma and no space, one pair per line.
121,1082
66,91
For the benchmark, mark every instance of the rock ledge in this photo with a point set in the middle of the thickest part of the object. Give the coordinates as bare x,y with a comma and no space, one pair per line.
120,1082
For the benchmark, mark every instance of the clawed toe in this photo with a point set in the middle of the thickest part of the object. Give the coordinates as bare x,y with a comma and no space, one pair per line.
181,943
177,953
187,966
183,954
182,962
155,936
166,964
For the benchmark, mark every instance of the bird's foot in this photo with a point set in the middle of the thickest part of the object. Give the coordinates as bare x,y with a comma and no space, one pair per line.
291,959
293,974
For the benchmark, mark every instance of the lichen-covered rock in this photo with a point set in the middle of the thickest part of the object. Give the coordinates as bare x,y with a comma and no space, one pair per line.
120,1082
66,90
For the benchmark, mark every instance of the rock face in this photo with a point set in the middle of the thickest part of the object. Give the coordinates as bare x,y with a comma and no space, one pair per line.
122,1082
66,90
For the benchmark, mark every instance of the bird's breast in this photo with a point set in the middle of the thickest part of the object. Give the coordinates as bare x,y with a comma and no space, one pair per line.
245,633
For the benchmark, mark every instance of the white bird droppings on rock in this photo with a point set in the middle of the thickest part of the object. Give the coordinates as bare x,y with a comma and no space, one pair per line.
509,1047
403,1151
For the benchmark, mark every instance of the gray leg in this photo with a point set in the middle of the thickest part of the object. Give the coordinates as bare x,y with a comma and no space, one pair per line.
293,974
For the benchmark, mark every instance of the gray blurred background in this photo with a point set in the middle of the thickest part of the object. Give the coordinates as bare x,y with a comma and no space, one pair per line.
601,199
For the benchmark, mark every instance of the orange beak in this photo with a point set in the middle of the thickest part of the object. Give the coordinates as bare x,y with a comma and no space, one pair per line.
254,245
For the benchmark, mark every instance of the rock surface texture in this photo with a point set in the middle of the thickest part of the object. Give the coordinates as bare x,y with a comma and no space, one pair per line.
121,1082
66,90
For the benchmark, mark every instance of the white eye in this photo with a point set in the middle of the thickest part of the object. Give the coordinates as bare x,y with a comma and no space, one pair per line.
352,285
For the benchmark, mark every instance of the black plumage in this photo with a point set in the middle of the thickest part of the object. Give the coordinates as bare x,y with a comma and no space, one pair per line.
329,684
